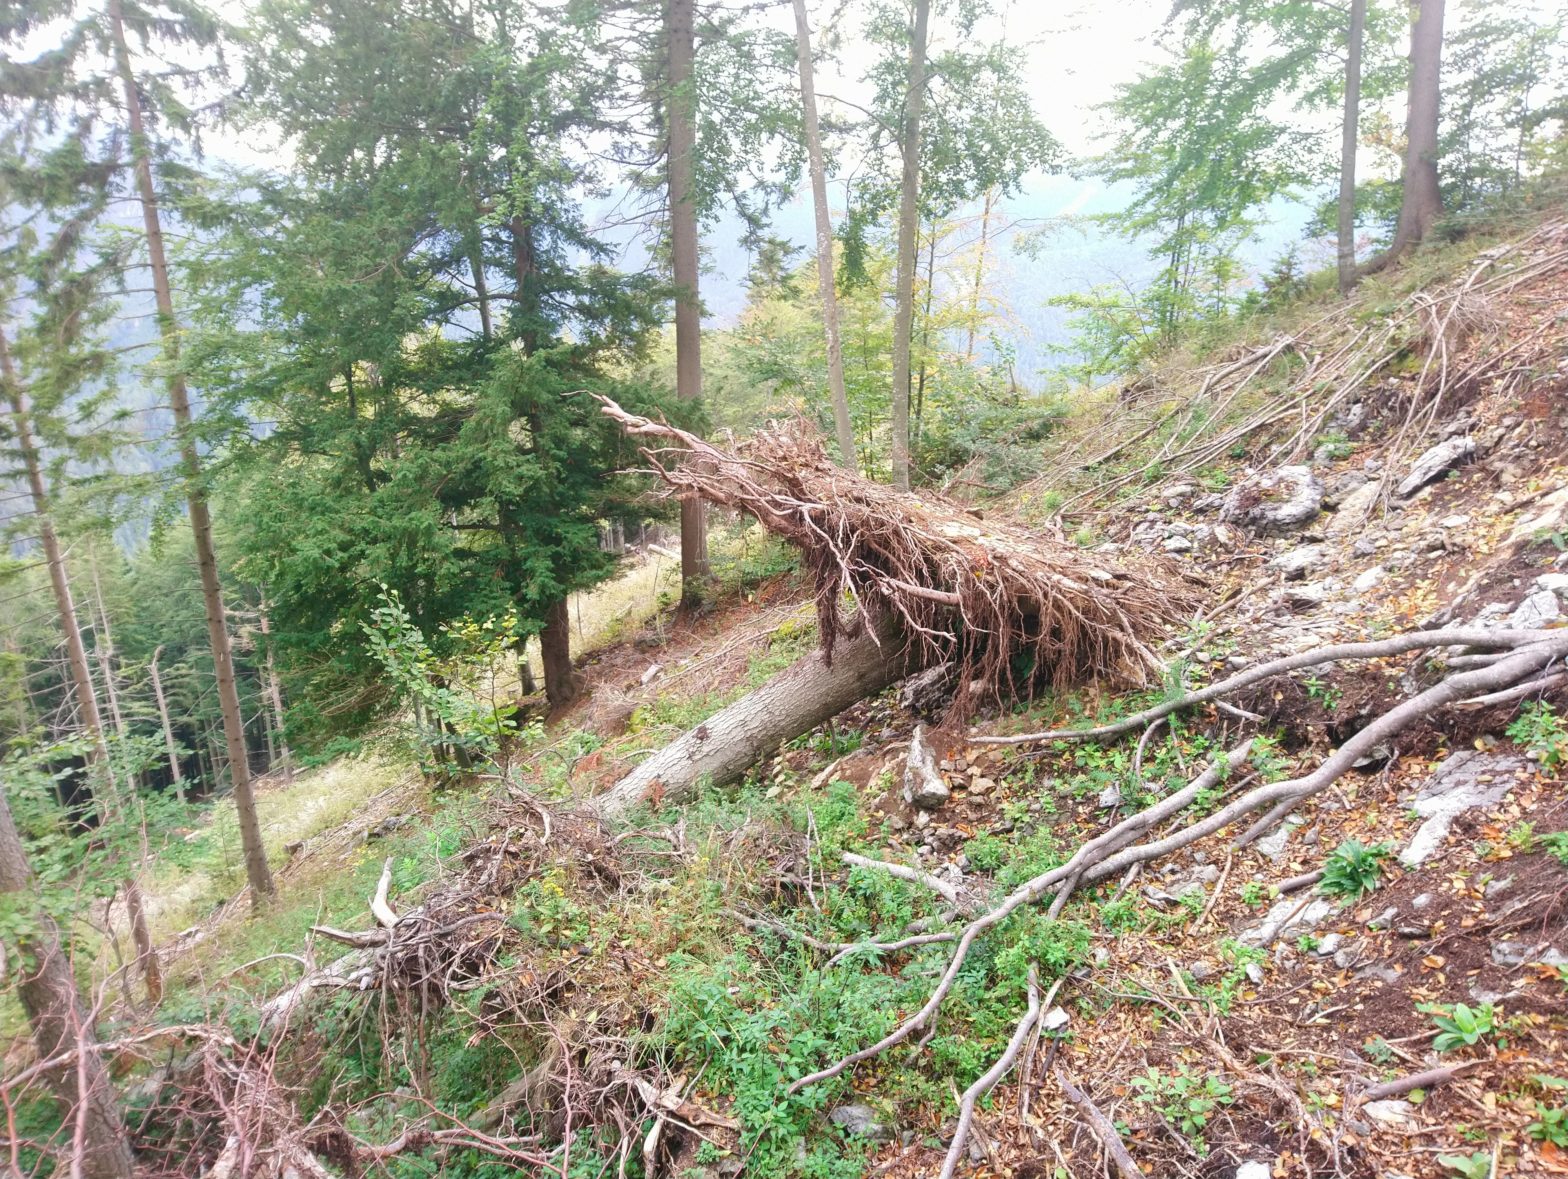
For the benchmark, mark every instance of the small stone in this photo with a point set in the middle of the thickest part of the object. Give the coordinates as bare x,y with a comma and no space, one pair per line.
1200,971
1496,888
1110,797
1390,1113
1541,608
1510,954
1306,597
1298,562
1556,583
1443,457
1329,944
923,784
1346,958
1455,521
1253,1170
1383,974
1423,901
1177,544
1369,579
1055,1019
1254,974
861,1120
1275,503
1354,508
1273,844
1384,919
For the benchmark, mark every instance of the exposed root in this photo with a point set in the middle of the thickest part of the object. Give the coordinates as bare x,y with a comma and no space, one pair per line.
1009,607
988,1079
1102,1127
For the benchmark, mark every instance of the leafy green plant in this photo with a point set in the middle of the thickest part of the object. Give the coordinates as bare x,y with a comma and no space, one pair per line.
1550,1125
1468,1166
1556,846
1323,692
1353,869
1543,733
1186,1099
1377,1050
1460,1026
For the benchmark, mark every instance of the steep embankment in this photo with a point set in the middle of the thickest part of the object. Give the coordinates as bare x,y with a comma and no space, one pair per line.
591,1000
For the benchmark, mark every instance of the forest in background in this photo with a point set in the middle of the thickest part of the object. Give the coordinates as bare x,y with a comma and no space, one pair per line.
376,473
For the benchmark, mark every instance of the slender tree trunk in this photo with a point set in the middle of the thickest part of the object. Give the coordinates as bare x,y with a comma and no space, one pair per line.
684,262
908,233
147,964
256,870
275,698
175,772
978,286
555,652
1349,135
842,427
925,340
60,1024
1422,200
105,794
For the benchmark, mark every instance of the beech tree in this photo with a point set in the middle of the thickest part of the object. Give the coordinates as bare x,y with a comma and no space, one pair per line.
1421,192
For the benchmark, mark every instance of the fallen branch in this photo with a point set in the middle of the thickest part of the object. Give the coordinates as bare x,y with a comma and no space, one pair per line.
987,1080
1422,1080
1379,649
379,907
914,875
1102,1127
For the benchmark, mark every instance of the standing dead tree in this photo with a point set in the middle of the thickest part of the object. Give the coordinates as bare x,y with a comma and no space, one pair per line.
928,581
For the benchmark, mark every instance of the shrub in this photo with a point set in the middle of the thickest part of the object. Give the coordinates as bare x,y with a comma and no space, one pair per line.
1353,870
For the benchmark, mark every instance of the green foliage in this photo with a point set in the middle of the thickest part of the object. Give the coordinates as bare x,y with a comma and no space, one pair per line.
1184,1098
1460,1026
1468,1166
1543,733
1550,1125
1352,870
1556,846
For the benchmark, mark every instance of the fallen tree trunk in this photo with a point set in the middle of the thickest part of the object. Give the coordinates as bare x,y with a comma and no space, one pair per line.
805,695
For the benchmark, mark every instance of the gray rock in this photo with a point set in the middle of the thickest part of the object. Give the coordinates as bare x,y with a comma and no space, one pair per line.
1468,780
1391,1113
1496,888
1110,797
1329,945
1512,954
923,784
1200,971
1541,608
1273,844
1298,562
1346,957
1383,974
1253,1171
1384,919
1368,580
1285,918
1354,508
1445,456
1177,544
1254,974
1306,597
861,1120
1556,583
1423,901
1277,502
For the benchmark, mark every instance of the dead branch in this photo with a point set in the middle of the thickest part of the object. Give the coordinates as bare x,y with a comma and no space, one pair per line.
1422,1080
936,884
1102,1127
987,1080
379,907
1379,649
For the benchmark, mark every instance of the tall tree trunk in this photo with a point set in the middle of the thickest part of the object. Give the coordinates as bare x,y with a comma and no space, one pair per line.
175,772
275,698
1349,134
842,427
60,1024
256,870
1422,196
684,262
978,286
105,794
147,964
555,653
925,339
908,233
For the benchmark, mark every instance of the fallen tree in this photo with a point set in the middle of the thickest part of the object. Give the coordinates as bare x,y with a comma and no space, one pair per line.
902,582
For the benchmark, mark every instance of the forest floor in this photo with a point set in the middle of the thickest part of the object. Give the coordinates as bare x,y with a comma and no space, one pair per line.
1224,1025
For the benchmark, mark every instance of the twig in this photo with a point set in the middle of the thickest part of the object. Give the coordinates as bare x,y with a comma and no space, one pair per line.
904,872
1102,1127
988,1080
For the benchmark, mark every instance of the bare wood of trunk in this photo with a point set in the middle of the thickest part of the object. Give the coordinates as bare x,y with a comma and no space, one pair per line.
1347,147
105,798
684,260
908,227
842,427
175,772
46,987
1421,203
257,872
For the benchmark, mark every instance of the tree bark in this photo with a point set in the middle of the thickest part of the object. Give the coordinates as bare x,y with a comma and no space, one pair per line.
175,772
257,871
47,989
842,427
105,793
908,230
555,653
275,698
1349,134
980,258
684,264
797,700
1422,196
